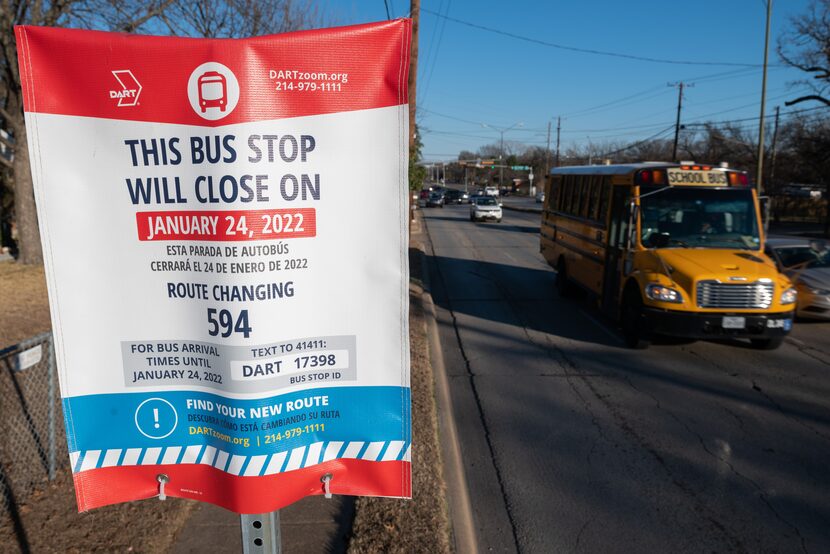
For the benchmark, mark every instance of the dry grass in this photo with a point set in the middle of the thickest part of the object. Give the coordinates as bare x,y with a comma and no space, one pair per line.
49,521
24,306
420,525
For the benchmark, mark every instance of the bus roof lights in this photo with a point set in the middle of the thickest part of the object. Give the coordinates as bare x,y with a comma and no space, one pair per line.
738,179
650,177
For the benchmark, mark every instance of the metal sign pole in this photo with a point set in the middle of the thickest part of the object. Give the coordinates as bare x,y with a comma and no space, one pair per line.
261,533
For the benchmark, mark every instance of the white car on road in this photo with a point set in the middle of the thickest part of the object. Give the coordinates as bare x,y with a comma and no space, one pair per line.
485,208
491,191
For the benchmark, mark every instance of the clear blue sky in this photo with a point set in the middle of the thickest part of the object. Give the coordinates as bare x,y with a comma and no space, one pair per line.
469,76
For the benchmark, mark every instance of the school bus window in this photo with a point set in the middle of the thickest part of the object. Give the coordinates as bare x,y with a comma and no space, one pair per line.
579,193
589,207
587,187
593,205
585,197
567,193
605,194
575,186
554,199
554,202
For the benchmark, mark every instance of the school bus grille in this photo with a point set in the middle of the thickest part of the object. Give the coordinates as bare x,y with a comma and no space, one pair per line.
714,294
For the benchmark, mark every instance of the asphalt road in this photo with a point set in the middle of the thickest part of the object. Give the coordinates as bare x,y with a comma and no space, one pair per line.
573,443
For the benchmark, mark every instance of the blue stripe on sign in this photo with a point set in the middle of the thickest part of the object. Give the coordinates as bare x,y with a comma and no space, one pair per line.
225,466
382,450
244,465
284,463
349,414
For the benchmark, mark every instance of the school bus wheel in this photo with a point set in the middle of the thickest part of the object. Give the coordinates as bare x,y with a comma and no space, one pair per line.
631,316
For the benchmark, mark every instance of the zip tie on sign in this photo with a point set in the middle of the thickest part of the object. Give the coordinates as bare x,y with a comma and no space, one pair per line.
326,480
163,480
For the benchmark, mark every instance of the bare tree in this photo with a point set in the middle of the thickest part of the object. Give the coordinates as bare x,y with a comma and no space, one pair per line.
240,18
37,12
11,110
806,46
202,18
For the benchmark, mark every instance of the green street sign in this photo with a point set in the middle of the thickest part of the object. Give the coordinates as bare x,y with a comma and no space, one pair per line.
519,167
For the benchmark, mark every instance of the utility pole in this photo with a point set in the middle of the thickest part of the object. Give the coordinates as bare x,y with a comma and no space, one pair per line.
680,86
415,14
501,162
547,153
558,129
760,176
774,143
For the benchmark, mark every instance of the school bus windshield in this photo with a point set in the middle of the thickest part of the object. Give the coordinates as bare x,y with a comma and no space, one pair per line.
697,217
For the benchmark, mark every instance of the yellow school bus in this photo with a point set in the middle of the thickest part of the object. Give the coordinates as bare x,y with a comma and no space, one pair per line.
665,248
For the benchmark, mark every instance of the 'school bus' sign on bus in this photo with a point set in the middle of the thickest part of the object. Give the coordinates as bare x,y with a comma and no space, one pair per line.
228,312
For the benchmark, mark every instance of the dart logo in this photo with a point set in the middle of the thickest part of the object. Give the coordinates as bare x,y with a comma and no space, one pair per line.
130,88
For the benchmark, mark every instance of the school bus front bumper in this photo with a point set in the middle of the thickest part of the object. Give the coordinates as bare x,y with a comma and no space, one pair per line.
699,325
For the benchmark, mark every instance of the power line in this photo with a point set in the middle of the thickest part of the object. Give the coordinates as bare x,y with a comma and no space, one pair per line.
638,143
584,50
639,96
611,103
434,54
478,123
789,113
636,129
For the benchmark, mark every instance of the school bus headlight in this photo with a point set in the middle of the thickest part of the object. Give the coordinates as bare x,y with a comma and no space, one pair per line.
789,296
663,294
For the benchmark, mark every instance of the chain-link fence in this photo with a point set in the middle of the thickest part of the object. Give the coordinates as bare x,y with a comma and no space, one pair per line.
32,442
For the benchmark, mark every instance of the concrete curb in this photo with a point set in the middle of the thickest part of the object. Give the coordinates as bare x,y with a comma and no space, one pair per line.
461,512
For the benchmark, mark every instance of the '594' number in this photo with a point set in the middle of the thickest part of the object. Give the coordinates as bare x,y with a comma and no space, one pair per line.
223,321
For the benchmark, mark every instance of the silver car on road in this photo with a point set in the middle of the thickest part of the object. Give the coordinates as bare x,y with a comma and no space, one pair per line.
807,263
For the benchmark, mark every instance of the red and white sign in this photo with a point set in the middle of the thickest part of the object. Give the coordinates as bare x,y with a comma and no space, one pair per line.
224,225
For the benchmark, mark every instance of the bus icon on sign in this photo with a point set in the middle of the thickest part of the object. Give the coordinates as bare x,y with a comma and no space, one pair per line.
213,91
212,85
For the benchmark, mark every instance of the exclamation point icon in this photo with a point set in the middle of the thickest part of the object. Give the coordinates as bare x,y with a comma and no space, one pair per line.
156,417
